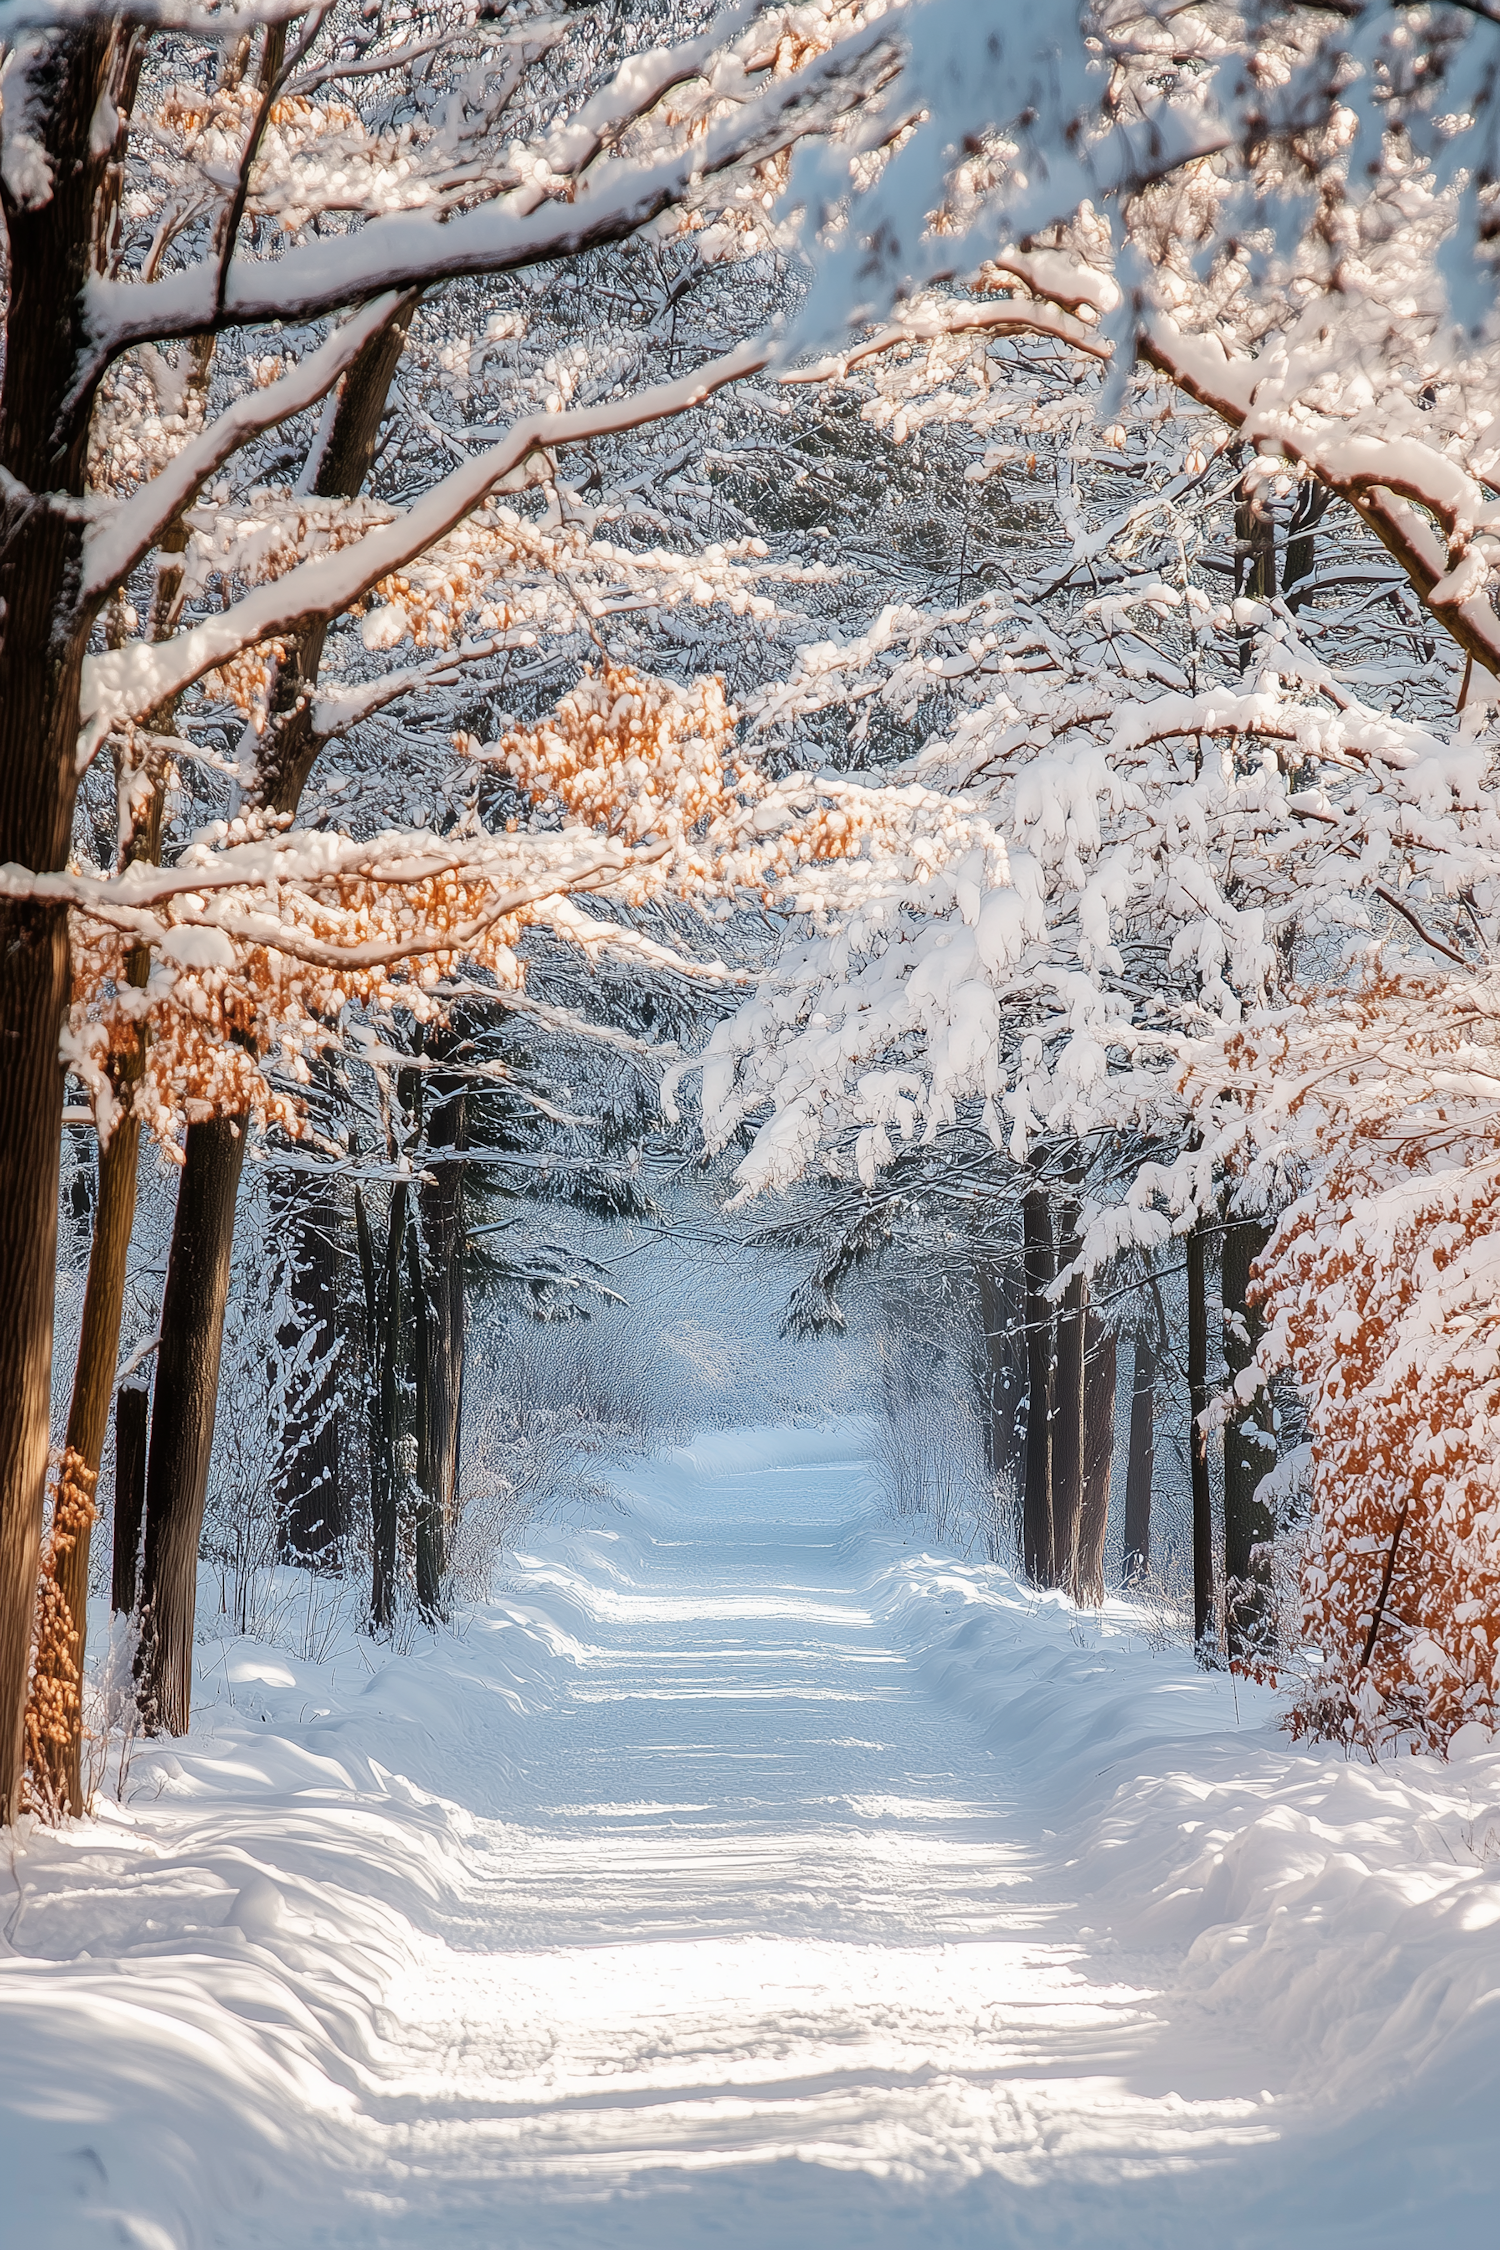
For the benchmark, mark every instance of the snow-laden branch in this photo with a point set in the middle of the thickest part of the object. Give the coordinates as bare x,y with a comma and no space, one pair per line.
1336,735
610,200
194,916
127,682
117,541
976,67
398,858
1389,480
337,711
152,15
1027,317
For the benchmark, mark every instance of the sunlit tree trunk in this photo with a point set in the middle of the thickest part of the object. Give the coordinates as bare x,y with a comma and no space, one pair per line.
88,1420
182,1417
99,1340
44,419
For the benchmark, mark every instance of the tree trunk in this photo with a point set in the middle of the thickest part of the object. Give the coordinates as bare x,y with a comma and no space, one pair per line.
99,1344
289,746
1036,1506
1142,1461
383,1339
1067,1405
59,77
205,1229
130,1497
387,1486
1003,1318
88,1419
182,1416
428,1542
1254,558
33,989
1203,1518
1301,547
1098,1458
440,1199
1249,1451
312,1518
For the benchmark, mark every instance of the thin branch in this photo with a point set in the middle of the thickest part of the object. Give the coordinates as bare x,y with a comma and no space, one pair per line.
1399,907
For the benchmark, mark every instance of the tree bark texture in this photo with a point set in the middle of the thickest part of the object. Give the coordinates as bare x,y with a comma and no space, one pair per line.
114,1221
182,1416
131,1408
1099,1375
1036,1506
428,1540
388,1400
1141,1463
1254,560
1067,1404
1300,559
1203,1518
44,418
1249,1451
290,746
99,1339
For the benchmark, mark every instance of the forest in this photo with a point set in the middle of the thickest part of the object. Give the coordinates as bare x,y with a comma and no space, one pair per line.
750,958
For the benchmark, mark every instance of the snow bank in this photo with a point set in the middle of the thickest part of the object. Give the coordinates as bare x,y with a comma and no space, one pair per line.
1343,1917
194,1986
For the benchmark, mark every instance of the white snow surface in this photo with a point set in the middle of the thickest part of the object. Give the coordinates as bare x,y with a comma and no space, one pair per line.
745,1874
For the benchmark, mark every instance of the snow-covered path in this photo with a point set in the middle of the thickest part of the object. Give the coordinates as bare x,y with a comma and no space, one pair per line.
766,1954
787,1890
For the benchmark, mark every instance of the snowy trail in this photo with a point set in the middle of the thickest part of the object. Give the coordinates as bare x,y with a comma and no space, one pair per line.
769,1928
766,1955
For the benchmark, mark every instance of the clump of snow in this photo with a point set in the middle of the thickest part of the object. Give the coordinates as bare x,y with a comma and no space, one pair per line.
191,948
385,627
24,164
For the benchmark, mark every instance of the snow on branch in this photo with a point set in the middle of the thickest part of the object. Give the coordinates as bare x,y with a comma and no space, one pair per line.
1395,481
118,540
1032,317
610,200
128,682
152,15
